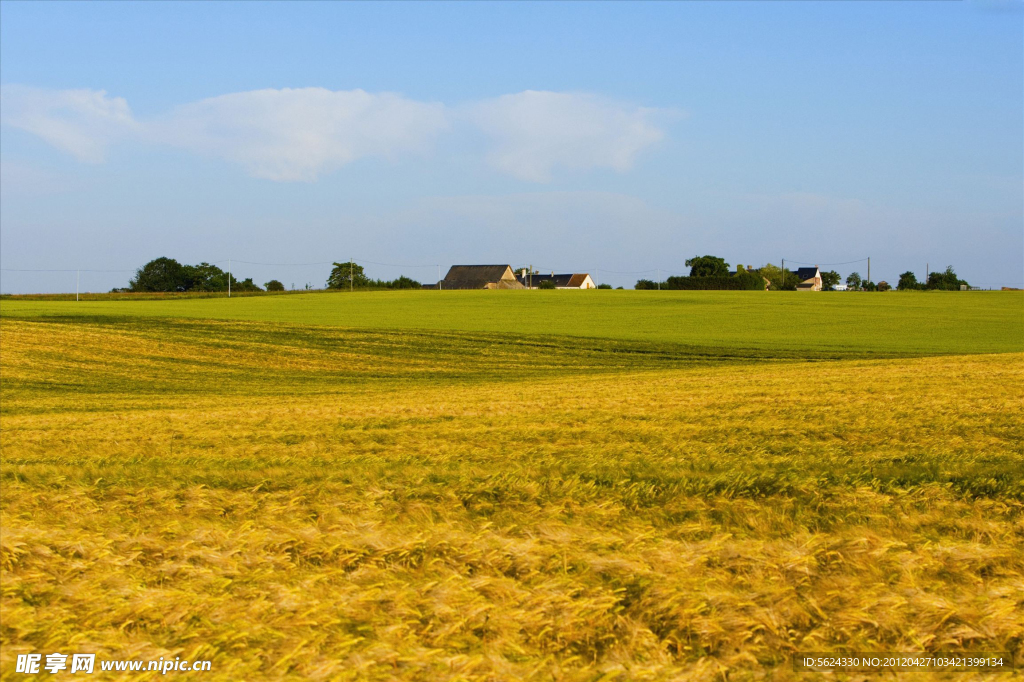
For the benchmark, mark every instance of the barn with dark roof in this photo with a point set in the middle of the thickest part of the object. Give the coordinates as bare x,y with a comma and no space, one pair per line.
480,277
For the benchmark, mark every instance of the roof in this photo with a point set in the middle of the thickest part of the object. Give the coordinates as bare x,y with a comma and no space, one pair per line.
578,279
806,273
559,280
475,276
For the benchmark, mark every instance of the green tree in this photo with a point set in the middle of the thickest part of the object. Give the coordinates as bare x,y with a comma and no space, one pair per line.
645,284
546,284
908,281
707,266
244,285
781,280
829,280
403,282
206,277
853,280
945,281
348,274
274,285
160,274
604,286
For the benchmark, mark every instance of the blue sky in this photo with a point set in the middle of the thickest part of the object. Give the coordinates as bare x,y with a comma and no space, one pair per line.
614,138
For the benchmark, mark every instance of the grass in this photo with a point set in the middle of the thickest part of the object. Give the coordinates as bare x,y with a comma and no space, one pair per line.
893,323
296,500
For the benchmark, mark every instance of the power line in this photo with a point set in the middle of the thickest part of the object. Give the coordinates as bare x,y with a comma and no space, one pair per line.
284,265
859,260
69,270
355,260
395,265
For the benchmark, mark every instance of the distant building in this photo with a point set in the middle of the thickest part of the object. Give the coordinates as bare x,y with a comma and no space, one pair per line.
579,280
840,287
480,277
808,279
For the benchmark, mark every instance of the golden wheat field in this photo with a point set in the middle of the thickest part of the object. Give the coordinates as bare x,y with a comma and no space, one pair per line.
293,502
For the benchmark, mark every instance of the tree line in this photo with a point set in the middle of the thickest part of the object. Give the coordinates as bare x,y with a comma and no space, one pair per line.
942,281
350,275
706,273
711,272
169,276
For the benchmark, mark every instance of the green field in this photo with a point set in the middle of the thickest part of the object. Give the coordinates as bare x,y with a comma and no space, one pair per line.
512,485
891,323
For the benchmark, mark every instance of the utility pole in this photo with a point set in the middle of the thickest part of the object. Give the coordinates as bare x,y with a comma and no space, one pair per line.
78,278
782,274
869,268
926,272
439,277
530,279
229,278
351,272
658,273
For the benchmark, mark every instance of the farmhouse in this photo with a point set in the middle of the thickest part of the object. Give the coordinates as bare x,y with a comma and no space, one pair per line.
809,279
480,277
579,280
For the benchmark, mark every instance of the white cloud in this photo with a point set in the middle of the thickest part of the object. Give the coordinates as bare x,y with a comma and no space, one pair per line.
536,132
80,122
298,134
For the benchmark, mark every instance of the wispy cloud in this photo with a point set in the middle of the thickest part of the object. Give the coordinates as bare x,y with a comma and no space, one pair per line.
299,134
536,132
80,122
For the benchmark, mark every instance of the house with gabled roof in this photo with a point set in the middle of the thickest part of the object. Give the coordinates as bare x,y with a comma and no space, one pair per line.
808,279
578,280
480,277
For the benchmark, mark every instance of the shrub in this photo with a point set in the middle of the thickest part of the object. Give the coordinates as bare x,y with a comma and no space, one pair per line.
745,281
244,285
402,282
